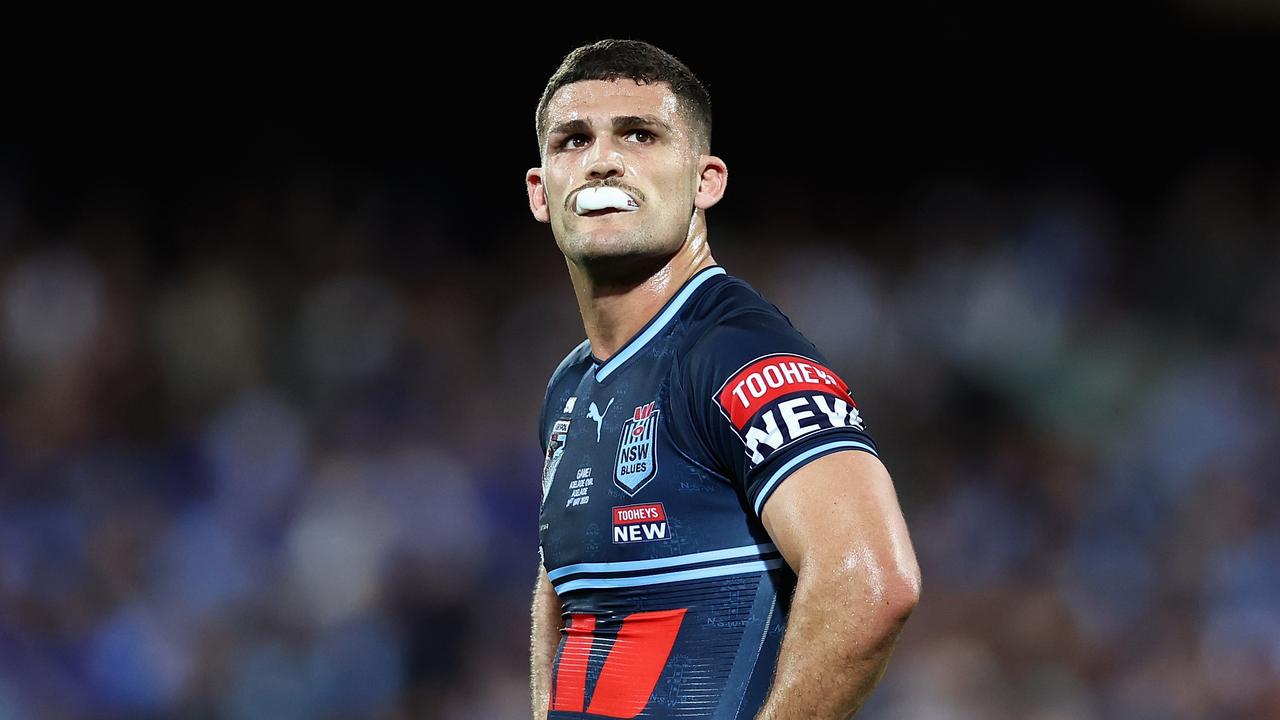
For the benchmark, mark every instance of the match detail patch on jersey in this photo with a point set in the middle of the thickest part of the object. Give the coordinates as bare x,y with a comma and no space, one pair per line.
636,463
580,488
555,450
640,523
777,399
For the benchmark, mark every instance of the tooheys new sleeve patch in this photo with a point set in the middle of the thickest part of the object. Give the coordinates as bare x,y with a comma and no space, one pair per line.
777,399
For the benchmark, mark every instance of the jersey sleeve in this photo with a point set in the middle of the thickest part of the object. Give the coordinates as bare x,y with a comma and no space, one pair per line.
760,402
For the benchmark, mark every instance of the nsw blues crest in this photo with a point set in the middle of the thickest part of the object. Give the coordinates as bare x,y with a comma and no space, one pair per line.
636,463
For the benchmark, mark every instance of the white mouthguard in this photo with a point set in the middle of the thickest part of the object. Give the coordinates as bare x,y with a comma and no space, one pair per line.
599,198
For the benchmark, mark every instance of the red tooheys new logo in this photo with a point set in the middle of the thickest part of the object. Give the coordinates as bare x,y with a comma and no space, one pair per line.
775,400
640,523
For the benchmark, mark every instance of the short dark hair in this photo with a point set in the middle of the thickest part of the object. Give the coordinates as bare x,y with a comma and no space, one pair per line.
636,60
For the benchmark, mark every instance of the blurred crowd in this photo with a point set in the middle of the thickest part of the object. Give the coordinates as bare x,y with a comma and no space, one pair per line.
271,454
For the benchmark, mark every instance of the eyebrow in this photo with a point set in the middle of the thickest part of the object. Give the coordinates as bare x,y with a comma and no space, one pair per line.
619,122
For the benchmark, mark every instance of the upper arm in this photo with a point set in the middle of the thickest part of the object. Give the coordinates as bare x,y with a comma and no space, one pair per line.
838,517
760,403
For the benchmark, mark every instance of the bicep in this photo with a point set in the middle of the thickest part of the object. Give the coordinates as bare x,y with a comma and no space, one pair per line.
839,515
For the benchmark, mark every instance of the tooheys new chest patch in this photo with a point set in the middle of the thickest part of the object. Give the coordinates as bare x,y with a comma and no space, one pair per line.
636,463
777,399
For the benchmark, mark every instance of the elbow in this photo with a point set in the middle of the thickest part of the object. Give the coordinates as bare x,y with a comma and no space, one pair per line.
903,594
900,592
886,607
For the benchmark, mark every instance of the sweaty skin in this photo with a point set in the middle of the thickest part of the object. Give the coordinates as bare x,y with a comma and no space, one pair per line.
838,524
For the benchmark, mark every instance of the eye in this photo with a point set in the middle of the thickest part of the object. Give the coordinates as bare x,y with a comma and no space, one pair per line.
571,141
644,136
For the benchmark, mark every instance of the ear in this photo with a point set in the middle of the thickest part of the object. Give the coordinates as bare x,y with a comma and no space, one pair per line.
537,194
713,177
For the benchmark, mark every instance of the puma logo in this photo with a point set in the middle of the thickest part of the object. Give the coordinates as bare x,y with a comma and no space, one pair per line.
594,413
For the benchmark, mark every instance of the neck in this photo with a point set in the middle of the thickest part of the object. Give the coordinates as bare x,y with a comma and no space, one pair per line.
615,307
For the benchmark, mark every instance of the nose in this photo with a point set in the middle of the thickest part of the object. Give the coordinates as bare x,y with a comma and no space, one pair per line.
604,161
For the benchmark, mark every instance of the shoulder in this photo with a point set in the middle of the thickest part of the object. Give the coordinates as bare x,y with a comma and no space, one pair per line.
760,399
559,387
732,325
575,356
729,297
569,368
742,356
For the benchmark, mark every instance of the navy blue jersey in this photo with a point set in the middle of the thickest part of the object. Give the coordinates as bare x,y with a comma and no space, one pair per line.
658,463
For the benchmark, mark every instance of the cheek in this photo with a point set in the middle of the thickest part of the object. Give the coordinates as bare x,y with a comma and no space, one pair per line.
679,192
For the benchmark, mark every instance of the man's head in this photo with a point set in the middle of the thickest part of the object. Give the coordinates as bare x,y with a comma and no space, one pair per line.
637,61
623,114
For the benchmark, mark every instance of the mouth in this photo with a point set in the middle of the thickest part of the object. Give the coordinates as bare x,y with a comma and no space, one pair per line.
598,213
596,201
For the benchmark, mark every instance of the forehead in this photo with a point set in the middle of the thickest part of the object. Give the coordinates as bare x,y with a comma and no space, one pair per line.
599,100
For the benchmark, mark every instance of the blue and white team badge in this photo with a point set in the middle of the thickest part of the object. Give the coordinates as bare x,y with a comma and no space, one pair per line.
555,450
636,462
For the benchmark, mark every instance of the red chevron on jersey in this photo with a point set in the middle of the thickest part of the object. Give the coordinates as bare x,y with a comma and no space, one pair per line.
770,377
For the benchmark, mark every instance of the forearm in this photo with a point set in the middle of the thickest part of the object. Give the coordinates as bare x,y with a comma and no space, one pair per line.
544,640
836,647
